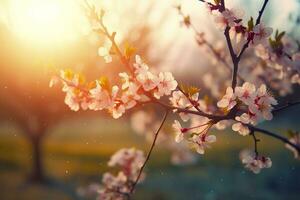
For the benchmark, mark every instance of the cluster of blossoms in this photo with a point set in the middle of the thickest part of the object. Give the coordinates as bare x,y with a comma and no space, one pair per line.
117,187
145,123
253,162
232,19
140,86
281,55
242,107
197,134
254,105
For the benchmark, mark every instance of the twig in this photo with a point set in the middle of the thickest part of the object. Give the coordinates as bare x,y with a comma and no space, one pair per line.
110,36
149,152
234,57
274,135
182,110
207,44
246,45
288,105
255,142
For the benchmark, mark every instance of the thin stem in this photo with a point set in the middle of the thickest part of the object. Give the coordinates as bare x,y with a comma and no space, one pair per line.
256,23
149,152
288,105
255,142
208,45
111,37
216,118
261,12
274,135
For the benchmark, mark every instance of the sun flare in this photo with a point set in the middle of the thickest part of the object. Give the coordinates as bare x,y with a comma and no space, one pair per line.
45,21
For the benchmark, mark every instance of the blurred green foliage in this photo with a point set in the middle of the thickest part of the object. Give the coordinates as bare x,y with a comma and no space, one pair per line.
76,153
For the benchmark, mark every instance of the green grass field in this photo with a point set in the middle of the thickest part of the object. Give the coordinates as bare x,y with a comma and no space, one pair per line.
76,153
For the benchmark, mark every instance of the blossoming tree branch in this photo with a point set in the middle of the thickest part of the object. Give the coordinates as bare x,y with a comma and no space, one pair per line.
247,101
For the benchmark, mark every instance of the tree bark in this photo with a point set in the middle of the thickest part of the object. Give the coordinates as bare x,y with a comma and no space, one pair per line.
37,173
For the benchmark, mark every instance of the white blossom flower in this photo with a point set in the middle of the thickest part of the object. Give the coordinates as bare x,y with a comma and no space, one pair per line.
166,84
246,93
261,33
178,99
113,186
242,129
203,141
140,66
125,79
264,102
117,110
105,52
124,156
224,19
148,81
100,98
255,163
72,101
228,100
179,131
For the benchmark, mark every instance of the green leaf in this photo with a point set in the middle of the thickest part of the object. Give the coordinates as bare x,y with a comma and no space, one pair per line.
250,24
279,37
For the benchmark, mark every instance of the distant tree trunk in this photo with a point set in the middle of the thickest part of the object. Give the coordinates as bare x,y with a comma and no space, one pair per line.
37,173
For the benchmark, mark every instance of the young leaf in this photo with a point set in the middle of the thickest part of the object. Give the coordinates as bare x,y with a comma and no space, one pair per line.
250,24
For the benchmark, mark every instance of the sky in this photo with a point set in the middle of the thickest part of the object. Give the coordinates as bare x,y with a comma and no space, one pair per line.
52,23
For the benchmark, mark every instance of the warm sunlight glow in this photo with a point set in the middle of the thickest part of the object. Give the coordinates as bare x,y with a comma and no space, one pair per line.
46,21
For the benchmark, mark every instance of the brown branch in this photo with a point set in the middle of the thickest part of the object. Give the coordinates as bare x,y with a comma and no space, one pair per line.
236,58
256,23
110,36
233,56
288,105
150,151
119,53
274,135
210,46
255,142
182,110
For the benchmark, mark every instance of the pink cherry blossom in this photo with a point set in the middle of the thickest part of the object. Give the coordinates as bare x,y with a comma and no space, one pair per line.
246,93
261,33
72,101
140,66
255,163
203,141
166,84
148,80
242,129
100,98
179,131
228,100
125,80
105,52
